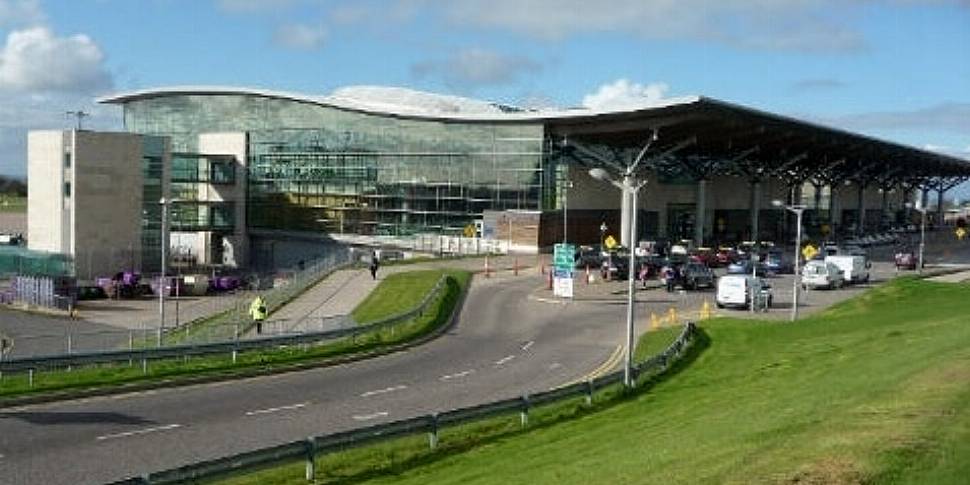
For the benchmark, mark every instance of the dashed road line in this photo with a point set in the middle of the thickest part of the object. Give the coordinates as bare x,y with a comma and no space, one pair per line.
554,366
528,345
383,391
138,432
368,417
456,376
504,360
276,409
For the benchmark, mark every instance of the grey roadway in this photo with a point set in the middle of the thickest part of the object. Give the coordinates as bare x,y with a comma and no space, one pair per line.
503,346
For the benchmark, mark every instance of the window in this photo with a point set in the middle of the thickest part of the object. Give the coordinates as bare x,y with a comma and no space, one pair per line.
67,159
67,189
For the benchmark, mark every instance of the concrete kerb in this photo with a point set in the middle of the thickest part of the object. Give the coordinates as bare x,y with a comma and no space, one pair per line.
242,374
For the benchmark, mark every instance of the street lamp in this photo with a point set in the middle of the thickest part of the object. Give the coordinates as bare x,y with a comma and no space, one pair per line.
602,235
918,206
629,189
566,185
797,210
161,280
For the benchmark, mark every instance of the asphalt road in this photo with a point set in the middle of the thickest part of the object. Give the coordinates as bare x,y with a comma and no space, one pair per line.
503,346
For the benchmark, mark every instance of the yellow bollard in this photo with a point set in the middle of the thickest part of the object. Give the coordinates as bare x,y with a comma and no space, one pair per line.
706,310
672,316
654,321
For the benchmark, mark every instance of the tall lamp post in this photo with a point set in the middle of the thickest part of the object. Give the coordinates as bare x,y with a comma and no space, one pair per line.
797,210
164,270
629,187
566,185
918,206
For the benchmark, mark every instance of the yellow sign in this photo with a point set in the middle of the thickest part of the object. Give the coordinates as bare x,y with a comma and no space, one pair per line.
809,251
961,233
610,242
470,230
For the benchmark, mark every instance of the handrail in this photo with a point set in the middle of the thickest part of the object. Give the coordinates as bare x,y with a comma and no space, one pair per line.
309,448
191,350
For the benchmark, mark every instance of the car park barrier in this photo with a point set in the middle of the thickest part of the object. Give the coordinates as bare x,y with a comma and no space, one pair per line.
310,448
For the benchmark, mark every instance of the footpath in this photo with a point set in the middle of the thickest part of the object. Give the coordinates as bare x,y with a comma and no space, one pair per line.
328,304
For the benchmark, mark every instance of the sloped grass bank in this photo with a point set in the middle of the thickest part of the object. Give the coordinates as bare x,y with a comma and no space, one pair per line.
875,390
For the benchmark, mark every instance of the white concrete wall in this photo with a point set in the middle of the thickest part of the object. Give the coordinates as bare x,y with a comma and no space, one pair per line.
48,213
106,202
236,144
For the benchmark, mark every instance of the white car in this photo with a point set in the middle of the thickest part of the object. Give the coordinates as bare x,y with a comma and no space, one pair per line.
822,274
735,291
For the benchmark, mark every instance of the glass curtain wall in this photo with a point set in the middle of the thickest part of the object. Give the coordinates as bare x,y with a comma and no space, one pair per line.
316,168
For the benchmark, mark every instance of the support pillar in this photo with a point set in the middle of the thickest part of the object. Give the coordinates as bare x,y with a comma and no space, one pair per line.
939,205
701,211
861,207
755,208
625,217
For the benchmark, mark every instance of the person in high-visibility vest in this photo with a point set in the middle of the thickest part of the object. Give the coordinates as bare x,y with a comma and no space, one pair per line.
257,310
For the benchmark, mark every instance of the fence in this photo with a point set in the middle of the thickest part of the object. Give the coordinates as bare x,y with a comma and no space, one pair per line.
233,347
432,424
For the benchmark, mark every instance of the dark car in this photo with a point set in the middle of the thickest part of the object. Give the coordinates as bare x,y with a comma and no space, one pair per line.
588,256
696,275
615,266
777,263
743,266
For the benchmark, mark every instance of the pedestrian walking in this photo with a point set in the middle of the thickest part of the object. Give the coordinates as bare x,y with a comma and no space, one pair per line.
257,310
669,278
374,263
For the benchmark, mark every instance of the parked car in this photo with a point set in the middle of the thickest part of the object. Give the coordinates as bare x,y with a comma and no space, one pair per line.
615,265
905,260
743,266
777,263
736,291
821,274
696,275
724,256
588,256
704,256
854,268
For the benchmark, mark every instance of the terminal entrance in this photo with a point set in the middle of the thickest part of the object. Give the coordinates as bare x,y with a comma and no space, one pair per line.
680,221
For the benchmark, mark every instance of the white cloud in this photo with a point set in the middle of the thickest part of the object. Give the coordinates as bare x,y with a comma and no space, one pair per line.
300,36
34,60
477,67
950,117
623,94
20,12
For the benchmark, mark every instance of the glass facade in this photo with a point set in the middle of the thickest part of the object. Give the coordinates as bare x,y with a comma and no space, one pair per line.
319,168
153,153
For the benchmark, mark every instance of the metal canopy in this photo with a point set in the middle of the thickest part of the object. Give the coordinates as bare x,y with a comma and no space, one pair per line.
730,139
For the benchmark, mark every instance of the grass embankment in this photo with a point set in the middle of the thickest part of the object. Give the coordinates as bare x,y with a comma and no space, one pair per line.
875,390
10,203
218,367
397,293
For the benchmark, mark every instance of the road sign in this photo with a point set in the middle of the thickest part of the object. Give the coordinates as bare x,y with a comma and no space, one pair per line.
470,230
809,251
562,287
610,242
564,256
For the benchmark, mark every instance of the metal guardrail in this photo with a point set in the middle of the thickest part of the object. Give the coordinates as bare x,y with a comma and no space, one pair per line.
431,424
234,346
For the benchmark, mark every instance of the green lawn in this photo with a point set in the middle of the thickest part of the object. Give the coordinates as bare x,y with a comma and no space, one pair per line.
396,293
875,390
12,203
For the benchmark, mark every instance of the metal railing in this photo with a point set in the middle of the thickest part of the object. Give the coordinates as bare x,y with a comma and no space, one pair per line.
309,449
233,347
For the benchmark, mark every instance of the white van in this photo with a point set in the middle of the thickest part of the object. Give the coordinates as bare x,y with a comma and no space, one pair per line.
854,268
735,291
822,274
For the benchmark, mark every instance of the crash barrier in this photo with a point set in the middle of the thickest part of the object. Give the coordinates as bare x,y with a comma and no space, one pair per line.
309,449
234,347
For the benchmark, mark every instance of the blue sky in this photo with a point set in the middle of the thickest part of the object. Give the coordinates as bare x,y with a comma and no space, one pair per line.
896,69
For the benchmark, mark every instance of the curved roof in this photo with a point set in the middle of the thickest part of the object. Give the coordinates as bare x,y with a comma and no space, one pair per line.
348,99
718,128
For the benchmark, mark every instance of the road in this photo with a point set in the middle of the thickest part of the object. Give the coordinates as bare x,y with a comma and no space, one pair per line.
504,345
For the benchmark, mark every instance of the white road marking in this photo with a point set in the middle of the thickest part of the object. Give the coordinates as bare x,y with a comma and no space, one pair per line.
455,376
139,432
367,417
504,359
528,345
276,409
1,456
555,365
383,391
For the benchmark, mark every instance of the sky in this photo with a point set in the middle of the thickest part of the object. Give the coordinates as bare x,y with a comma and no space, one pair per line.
895,69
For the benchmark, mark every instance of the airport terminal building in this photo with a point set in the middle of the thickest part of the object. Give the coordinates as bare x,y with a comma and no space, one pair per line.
250,171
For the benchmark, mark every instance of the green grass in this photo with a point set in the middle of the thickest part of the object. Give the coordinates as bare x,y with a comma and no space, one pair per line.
397,293
875,390
10,203
114,375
